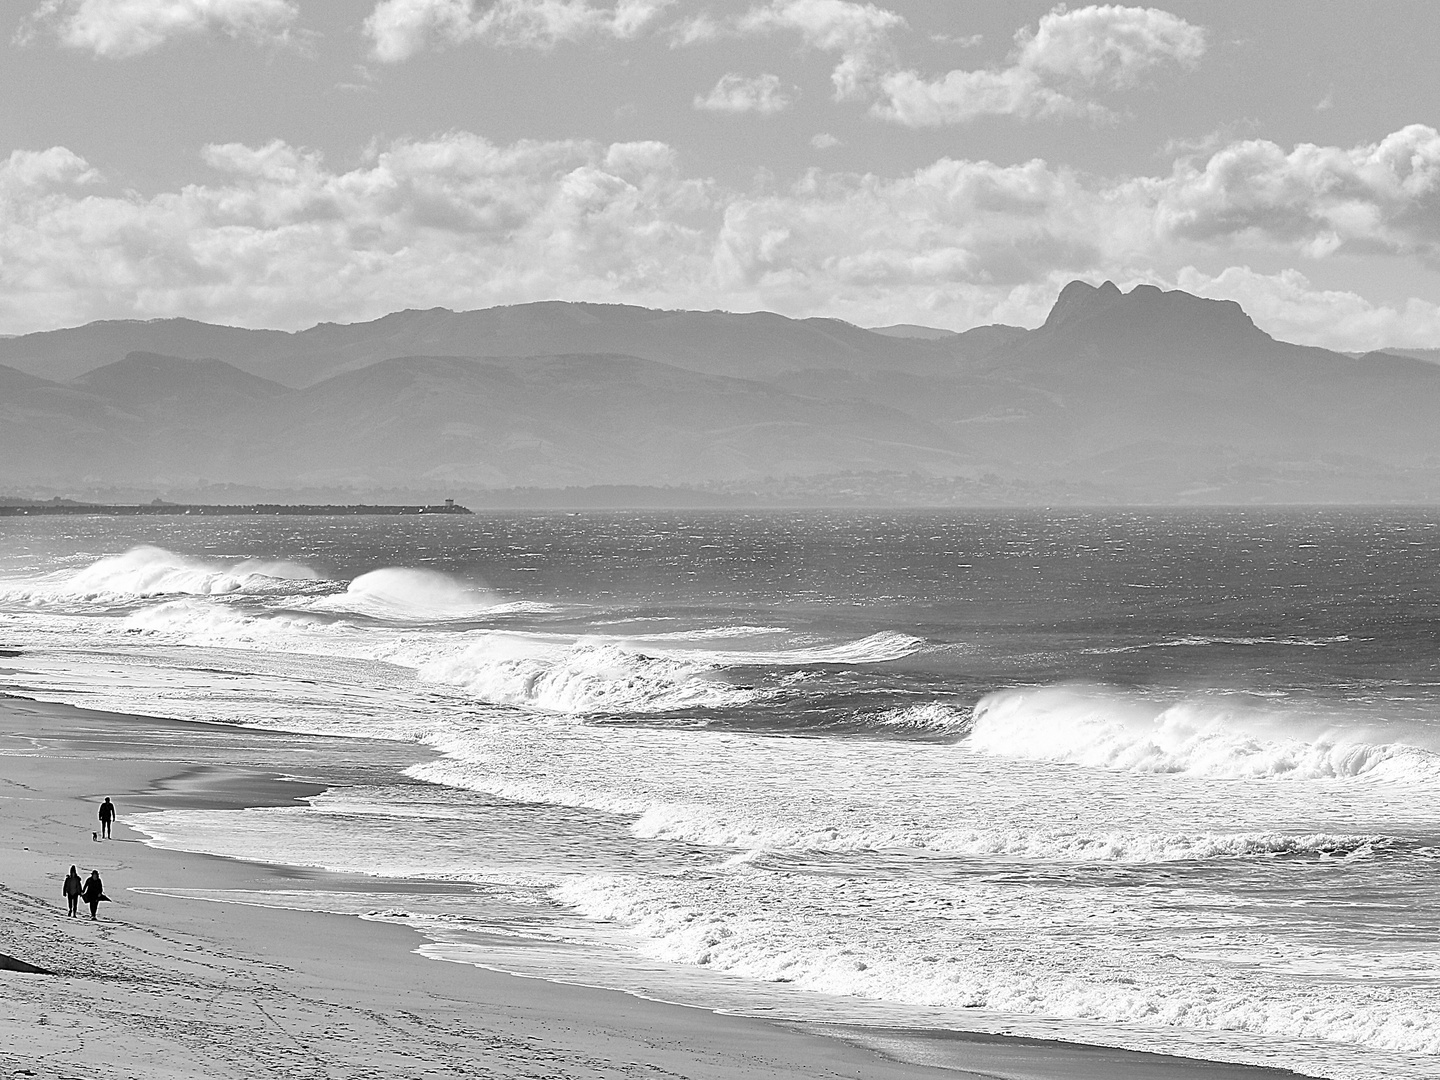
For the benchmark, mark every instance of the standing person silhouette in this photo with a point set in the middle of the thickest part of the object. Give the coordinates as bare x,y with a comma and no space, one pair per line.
71,892
93,891
107,815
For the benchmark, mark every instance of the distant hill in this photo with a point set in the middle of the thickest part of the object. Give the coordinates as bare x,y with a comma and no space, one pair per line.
755,345
63,354
1430,356
516,421
910,330
1146,396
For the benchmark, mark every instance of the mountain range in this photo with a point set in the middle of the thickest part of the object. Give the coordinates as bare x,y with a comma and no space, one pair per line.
1146,396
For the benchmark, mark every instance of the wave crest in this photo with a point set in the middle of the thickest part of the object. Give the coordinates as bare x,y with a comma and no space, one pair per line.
410,594
587,676
930,718
148,571
1201,737
199,622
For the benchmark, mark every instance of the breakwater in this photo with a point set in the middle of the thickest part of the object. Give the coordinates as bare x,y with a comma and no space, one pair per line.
202,509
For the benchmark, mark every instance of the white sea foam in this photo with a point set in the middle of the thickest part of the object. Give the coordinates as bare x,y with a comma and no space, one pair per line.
1199,737
1200,641
148,571
711,633
299,836
872,649
1045,952
616,675
580,676
784,830
203,622
691,826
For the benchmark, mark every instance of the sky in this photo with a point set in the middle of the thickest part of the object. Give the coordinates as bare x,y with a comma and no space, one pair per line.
278,163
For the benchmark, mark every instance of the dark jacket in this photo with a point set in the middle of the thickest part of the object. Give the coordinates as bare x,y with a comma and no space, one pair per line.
72,885
93,888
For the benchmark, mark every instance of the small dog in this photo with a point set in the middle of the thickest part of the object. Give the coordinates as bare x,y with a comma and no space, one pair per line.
95,836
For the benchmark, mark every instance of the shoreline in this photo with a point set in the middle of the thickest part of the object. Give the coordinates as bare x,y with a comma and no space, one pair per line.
246,987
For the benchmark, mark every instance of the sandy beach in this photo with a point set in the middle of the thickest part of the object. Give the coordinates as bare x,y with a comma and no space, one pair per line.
172,986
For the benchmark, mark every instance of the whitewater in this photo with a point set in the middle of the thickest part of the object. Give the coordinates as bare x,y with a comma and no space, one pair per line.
1164,781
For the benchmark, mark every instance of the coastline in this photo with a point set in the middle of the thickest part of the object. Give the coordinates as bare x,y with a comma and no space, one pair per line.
167,985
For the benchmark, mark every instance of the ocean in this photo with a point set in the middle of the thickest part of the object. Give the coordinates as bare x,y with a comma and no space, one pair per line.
1163,780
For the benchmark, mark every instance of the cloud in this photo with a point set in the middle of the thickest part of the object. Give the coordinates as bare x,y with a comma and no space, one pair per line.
274,235
399,29
825,141
1318,200
859,33
963,41
1108,45
697,29
277,237
1290,308
944,235
734,93
961,96
1055,70
122,28
27,173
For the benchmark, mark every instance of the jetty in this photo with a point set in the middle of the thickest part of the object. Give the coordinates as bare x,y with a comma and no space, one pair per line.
158,507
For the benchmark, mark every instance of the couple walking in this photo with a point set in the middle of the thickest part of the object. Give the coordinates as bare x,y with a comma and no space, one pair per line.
92,891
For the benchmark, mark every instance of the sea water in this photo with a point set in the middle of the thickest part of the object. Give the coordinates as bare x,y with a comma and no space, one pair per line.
1160,780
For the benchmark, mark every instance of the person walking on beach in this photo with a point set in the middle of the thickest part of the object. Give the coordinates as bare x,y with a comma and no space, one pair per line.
107,815
93,891
72,892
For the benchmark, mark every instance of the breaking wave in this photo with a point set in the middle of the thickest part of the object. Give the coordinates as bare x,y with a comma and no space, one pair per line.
589,675
144,572
873,649
931,718
198,622
1199,737
411,595
586,676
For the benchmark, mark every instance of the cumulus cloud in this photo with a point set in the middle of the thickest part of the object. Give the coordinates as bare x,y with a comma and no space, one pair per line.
1290,308
860,34
121,28
278,237
1054,70
275,235
1382,196
824,141
734,93
399,29
29,172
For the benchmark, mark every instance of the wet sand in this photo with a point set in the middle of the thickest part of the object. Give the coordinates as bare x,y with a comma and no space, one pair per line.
169,986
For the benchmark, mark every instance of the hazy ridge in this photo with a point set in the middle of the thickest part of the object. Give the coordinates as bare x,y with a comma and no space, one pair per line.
1148,396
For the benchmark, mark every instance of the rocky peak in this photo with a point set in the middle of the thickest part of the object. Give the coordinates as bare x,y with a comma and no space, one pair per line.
1079,299
1147,307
